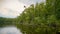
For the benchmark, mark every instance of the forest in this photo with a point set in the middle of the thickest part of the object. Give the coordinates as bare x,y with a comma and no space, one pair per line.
41,18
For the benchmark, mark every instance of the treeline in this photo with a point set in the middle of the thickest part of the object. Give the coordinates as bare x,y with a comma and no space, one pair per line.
42,18
7,21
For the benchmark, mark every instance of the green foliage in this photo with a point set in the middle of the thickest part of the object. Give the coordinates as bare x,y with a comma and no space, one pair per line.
41,18
7,21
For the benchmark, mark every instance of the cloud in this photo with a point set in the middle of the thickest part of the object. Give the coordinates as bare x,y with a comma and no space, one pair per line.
11,8
28,2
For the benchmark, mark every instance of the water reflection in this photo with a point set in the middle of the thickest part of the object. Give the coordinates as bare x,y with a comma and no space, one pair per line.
9,30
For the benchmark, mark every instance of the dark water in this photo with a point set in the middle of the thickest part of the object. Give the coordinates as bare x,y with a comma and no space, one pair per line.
10,30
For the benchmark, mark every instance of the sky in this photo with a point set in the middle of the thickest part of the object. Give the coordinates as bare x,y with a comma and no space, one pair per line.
13,8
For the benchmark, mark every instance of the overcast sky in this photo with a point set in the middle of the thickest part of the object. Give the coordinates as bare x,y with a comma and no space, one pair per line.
12,8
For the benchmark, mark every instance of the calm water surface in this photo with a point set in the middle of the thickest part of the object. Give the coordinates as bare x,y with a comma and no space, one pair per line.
10,30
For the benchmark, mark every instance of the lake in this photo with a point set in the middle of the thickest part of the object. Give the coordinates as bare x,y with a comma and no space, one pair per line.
10,30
